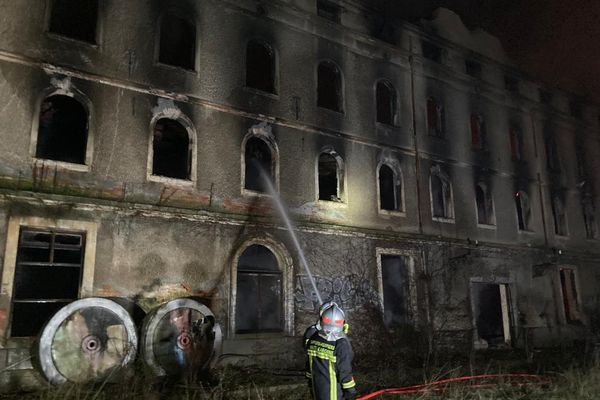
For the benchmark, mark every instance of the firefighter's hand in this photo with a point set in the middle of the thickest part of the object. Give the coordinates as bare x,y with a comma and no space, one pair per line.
350,394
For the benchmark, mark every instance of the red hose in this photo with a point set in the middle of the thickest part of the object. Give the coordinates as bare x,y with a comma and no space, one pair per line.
431,387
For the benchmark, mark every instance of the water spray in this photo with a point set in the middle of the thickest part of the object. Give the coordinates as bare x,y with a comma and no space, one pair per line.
288,223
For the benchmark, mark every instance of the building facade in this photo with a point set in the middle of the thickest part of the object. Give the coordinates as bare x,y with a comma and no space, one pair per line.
431,183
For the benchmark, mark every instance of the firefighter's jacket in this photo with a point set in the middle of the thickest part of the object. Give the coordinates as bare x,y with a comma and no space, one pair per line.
329,366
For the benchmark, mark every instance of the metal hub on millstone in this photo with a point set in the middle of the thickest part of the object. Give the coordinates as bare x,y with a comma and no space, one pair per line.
87,340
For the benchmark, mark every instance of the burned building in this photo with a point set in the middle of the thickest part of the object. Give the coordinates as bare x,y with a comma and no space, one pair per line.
431,183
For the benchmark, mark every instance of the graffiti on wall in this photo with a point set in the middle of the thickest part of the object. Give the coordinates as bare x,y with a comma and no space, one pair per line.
349,291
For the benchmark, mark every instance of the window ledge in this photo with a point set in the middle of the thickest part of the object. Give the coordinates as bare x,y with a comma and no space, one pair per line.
259,92
62,164
392,213
387,127
58,36
487,226
526,231
443,220
254,193
329,110
171,181
331,204
561,237
175,68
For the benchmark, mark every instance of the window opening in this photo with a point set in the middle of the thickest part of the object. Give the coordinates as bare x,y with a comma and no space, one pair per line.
258,161
485,209
560,219
589,216
523,211
491,312
177,42
552,157
328,178
62,130
329,11
473,68
75,19
260,67
545,96
394,276
569,293
47,277
576,108
171,150
432,52
386,103
516,144
259,291
511,84
435,118
389,189
478,132
441,197
329,86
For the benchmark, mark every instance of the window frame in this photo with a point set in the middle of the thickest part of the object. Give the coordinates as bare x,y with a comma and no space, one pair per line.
264,132
398,178
437,171
157,39
527,218
275,66
341,178
342,88
99,27
394,106
440,116
563,313
489,198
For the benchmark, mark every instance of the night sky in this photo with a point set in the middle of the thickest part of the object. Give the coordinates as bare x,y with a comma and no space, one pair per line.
553,41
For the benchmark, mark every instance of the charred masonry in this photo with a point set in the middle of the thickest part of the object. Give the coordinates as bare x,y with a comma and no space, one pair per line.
429,179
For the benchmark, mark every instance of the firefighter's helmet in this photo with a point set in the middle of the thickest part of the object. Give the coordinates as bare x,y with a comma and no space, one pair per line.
331,322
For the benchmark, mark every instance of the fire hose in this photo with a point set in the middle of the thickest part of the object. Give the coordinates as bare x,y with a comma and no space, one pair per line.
477,381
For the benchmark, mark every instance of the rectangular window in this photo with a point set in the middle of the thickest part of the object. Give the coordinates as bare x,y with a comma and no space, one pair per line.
329,11
569,294
432,52
394,276
473,68
47,277
75,19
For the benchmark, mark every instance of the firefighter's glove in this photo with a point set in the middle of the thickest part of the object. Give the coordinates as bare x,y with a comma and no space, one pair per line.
350,394
346,328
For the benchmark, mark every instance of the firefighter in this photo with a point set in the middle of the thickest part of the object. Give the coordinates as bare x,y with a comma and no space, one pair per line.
329,363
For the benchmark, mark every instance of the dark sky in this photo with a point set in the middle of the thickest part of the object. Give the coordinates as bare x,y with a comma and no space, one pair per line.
554,41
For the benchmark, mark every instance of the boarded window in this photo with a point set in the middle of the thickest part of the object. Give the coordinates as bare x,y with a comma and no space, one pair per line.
389,189
435,118
516,143
329,86
485,208
441,197
523,211
259,292
559,216
171,150
328,178
258,165
473,68
394,276
491,312
177,42
328,10
478,132
47,277
569,293
260,67
386,103
75,19
62,130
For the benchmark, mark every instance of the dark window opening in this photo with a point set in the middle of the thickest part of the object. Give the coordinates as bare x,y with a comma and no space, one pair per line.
576,108
478,132
473,68
511,84
589,217
259,292
177,42
485,209
569,293
559,216
386,103
75,19
389,190
491,309
441,197
545,96
47,277
260,67
171,149
432,52
328,178
523,212
62,130
394,276
435,118
329,11
552,157
258,164
329,87
516,145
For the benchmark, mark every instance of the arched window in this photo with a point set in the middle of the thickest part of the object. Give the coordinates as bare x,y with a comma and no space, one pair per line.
478,132
330,184
260,67
172,154
435,117
62,130
259,290
559,216
516,143
177,42
329,86
258,162
485,207
386,103
390,189
75,19
523,210
441,195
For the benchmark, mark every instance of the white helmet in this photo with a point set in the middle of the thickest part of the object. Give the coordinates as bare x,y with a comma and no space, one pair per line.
331,322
